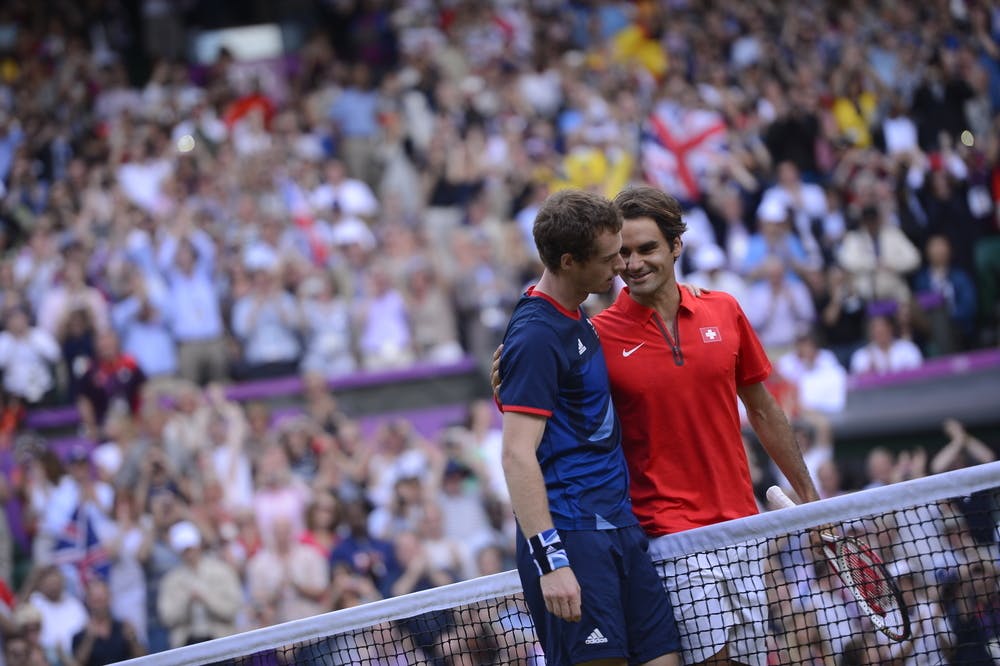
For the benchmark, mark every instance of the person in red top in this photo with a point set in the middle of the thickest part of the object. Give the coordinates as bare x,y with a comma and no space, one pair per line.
113,382
676,365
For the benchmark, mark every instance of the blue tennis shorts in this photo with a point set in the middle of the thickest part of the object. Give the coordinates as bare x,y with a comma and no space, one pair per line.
625,611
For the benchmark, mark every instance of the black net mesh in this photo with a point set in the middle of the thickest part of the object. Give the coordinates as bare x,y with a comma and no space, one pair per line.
772,599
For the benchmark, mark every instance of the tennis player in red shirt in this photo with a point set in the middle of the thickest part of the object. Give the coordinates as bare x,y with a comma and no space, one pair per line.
676,365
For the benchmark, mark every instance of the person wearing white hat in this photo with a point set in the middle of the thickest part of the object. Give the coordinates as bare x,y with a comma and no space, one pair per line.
200,598
711,273
774,239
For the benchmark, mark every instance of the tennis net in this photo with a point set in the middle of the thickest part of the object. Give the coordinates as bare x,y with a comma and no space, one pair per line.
938,537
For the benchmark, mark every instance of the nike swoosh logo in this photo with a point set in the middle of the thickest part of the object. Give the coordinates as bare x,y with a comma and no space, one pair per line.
628,352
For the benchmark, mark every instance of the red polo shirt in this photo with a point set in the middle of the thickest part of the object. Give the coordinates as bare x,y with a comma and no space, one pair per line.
678,411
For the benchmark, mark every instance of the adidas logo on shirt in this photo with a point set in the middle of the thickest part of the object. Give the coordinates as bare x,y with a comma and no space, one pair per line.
580,346
595,638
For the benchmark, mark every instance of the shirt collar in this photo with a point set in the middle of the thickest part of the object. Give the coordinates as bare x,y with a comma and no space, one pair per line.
639,312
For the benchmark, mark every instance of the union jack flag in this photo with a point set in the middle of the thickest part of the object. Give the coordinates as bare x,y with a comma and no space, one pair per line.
79,546
679,146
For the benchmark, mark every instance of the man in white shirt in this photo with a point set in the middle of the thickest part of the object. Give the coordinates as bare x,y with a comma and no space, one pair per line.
63,615
352,197
820,378
187,258
27,356
884,352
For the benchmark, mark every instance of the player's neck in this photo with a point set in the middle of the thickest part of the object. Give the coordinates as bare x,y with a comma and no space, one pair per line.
561,290
665,300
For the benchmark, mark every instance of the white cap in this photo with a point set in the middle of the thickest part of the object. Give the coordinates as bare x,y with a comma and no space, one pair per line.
772,210
709,257
351,230
184,535
108,458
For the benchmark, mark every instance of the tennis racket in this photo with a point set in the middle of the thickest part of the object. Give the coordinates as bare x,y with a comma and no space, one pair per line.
864,574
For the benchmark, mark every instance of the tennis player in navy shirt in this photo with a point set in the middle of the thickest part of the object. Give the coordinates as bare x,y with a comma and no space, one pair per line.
590,585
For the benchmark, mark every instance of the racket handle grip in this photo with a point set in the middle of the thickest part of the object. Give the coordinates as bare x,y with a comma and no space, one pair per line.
777,497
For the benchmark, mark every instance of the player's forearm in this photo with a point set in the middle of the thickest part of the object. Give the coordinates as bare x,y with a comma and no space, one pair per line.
527,493
775,433
521,435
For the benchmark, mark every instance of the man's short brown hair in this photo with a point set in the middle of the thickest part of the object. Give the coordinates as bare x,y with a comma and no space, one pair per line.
646,201
570,221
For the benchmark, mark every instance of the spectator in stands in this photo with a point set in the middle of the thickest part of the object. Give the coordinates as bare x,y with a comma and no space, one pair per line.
62,615
842,314
321,520
104,639
78,499
402,513
829,482
72,293
462,508
198,599
817,374
962,449
297,436
279,495
77,340
712,274
362,554
287,580
187,259
354,115
385,338
28,357
26,639
878,257
124,539
401,452
142,321
419,570
185,433
347,196
884,352
158,558
267,323
779,307
880,464
431,315
774,241
947,295
111,385
805,203
327,327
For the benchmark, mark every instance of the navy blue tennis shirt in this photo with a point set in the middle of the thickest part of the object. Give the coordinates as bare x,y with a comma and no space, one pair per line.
552,366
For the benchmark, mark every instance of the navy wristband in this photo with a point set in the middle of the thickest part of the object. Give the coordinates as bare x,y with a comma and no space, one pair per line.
547,551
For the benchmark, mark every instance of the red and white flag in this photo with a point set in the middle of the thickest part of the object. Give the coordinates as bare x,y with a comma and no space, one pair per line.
679,146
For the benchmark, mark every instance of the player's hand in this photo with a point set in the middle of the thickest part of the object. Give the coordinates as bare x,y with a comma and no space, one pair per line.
562,594
495,372
695,290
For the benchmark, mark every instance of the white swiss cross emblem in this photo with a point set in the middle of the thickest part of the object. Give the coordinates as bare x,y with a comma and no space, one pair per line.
710,334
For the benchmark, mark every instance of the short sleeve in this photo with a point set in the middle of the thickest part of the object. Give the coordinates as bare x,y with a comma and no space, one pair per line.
529,370
752,364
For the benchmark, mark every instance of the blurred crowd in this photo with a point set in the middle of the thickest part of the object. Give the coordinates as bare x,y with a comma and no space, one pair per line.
366,202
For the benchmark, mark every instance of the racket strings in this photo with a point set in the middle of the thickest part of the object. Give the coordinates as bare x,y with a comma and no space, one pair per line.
869,581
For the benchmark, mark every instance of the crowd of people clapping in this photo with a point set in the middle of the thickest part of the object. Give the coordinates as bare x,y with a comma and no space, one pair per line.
366,203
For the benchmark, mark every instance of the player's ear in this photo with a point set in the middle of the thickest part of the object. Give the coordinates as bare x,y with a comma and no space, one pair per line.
676,249
566,261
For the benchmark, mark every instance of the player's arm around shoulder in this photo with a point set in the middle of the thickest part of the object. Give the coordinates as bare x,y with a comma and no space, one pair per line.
521,435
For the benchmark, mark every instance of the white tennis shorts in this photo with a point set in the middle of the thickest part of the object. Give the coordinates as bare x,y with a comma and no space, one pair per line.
718,599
